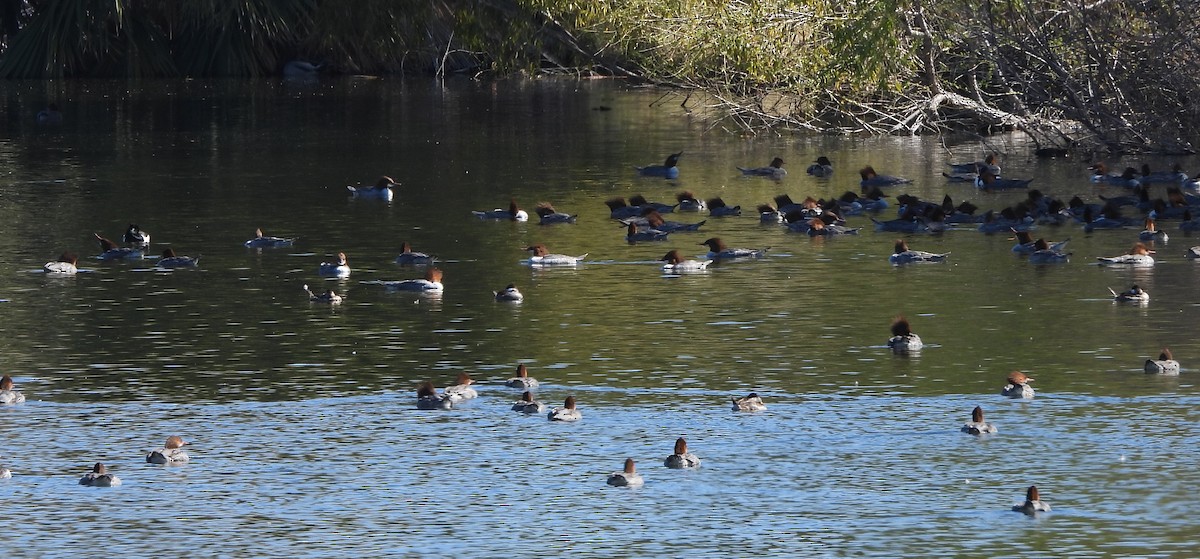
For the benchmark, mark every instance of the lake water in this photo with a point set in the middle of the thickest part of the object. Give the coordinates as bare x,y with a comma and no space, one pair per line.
305,437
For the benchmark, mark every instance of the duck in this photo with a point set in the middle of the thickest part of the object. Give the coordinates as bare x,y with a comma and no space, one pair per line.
1043,253
8,394
675,264
110,250
1192,253
1152,233
989,181
171,452
1127,179
1027,245
171,260
1033,503
410,257
688,202
1134,294
822,167
681,458
901,254
774,170
431,283
329,296
522,380
1175,176
988,164
99,477
5,473
1018,386
618,208
717,250
382,189
527,404
337,269
749,402
818,228
669,169
49,115
634,235
977,426
543,257
135,237
1164,365
1137,257
903,339
513,213
653,219
462,390
510,294
547,215
627,477
769,214
264,241
871,178
566,413
429,399
66,265
718,208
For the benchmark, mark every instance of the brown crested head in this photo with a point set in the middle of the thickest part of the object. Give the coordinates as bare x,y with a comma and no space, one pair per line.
426,390
99,469
341,259
1031,494
977,415
809,203
631,228
385,182
544,209
714,244
522,371
672,257
616,203
569,403
777,162
680,446
433,275
538,249
527,397
990,159
900,326
1017,377
105,244
512,207
638,200
6,383
68,257
867,172
629,467
901,246
1164,356
464,378
175,441
1041,244
1023,237
168,253
685,196
1140,248
405,247
1099,167
258,233
816,223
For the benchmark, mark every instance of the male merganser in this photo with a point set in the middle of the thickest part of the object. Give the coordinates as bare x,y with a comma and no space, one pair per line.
329,296
669,169
903,339
822,167
510,294
1138,257
527,404
263,241
901,254
681,458
338,269
171,452
688,202
750,402
542,257
1134,294
871,178
977,426
1018,386
522,380
1164,365
566,413
429,399
135,237
627,477
513,213
1043,253
1032,503
171,260
49,115
462,390
110,250
9,395
548,215
774,171
769,214
382,189
64,266
431,283
1151,233
634,235
675,264
99,477
718,250
409,257
718,208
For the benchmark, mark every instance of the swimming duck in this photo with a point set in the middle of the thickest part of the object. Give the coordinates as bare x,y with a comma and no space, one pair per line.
431,283
1100,175
749,402
655,220
548,215
263,241
329,296
409,257
429,399
1032,503
1016,218
49,115
135,237
1175,176
906,223
675,264
382,189
775,170
822,167
718,208
510,294
566,413
1018,386
1152,233
338,269
1138,257
989,181
688,202
627,477
64,266
171,260
871,178
669,169
634,235
977,426
901,254
681,458
903,339
818,228
522,380
462,390
618,208
5,473
1164,365
171,452
99,477
542,257
513,213
717,250
110,250
1044,254
1134,294
527,404
988,164
9,395
1026,243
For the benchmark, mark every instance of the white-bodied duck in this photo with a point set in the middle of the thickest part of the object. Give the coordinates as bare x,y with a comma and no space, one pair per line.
1164,365
675,264
903,339
510,294
431,283
977,426
566,413
543,257
99,477
264,241
1033,503
522,380
382,189
681,458
66,265
1137,257
135,237
170,453
1134,294
750,402
1018,386
627,477
527,404
8,394
337,269
462,390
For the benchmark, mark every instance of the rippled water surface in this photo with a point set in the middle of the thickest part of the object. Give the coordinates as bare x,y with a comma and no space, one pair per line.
305,438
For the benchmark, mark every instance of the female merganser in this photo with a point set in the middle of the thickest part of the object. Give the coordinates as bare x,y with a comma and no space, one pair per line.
1101,175
718,250
675,264
542,257
871,178
8,395
171,260
901,254
99,477
431,283
510,294
1043,253
522,380
566,413
1018,386
527,404
1151,233
774,171
750,402
634,235
989,181
1134,294
429,399
769,214
681,459
329,296
818,228
1164,365
513,213
977,425
1175,176
409,257
110,250
688,202
1033,504
549,215
338,269
626,478
382,189
718,208
135,237
903,339
822,167
64,266
462,390
1138,257
988,164
263,241
1026,243
669,169
171,452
